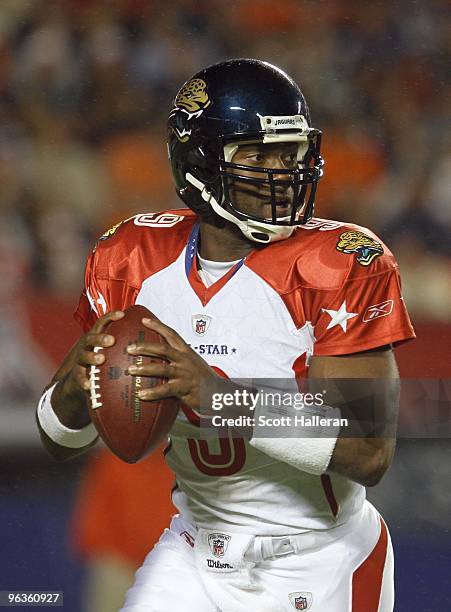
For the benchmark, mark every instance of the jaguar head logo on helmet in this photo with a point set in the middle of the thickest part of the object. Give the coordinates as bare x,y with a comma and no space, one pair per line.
189,103
221,118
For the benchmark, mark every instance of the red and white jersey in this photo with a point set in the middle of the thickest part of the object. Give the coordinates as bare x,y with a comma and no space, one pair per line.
330,289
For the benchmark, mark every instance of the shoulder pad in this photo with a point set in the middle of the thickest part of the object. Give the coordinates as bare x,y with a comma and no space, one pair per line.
322,254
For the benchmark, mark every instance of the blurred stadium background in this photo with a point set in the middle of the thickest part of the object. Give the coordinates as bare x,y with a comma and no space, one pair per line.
85,86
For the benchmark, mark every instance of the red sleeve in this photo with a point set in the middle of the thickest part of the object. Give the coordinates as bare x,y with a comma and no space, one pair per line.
127,254
368,311
102,293
85,315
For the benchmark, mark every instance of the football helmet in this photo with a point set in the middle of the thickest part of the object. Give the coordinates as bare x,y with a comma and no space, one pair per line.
241,102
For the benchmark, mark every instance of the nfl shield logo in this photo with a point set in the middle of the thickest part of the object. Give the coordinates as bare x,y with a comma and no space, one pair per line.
218,548
200,323
218,543
301,600
300,603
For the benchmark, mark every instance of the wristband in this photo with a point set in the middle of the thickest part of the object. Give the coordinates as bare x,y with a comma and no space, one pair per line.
56,431
308,449
310,455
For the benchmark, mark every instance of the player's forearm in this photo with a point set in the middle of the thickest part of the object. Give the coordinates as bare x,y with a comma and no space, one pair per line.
69,401
58,452
70,405
365,387
362,460
70,411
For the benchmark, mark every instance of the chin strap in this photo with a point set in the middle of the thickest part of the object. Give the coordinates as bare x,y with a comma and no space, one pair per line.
257,231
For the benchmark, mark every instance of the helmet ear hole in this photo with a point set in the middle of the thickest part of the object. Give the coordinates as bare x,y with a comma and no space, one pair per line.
260,237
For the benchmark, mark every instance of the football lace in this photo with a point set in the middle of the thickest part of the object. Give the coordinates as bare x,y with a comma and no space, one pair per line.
94,386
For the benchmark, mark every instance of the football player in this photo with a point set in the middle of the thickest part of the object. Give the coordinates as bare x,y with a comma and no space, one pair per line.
248,284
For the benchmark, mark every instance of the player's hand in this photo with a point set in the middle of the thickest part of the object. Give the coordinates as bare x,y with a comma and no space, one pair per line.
184,370
69,398
83,356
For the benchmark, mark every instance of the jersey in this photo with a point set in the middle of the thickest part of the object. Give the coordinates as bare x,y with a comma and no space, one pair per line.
330,289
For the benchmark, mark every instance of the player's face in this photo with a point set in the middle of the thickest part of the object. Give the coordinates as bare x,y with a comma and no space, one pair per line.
255,199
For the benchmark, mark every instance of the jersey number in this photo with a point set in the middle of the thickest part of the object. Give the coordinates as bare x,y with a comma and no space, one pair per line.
232,451
157,220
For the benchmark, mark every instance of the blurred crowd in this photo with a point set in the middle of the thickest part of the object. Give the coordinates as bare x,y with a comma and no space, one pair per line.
85,87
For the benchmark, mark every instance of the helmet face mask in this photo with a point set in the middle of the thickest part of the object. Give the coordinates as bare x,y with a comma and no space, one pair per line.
229,106
286,188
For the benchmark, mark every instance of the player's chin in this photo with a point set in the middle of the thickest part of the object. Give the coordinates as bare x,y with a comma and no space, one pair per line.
263,209
283,210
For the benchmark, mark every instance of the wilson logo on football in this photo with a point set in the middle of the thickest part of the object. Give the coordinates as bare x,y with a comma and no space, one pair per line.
378,310
157,220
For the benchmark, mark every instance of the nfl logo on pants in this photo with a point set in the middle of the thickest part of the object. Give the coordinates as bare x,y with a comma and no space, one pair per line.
301,600
218,543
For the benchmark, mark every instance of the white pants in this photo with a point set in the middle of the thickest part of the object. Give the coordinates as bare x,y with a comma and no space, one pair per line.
345,569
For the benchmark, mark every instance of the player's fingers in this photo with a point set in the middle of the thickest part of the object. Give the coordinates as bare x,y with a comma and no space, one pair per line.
80,376
171,336
168,389
151,349
89,358
160,369
102,321
98,339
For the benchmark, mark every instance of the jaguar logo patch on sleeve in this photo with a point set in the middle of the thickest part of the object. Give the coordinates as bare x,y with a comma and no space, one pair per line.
110,232
366,248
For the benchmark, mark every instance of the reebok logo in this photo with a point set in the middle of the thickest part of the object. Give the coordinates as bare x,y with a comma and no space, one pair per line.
378,310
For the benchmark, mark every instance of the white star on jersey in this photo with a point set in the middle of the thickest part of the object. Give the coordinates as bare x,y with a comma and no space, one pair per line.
340,317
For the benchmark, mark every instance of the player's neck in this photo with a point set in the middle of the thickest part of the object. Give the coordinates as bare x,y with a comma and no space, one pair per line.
223,243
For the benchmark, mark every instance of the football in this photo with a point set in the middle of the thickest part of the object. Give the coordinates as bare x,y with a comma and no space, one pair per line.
131,428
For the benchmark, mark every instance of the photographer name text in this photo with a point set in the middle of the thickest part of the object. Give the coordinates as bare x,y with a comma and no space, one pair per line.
284,421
